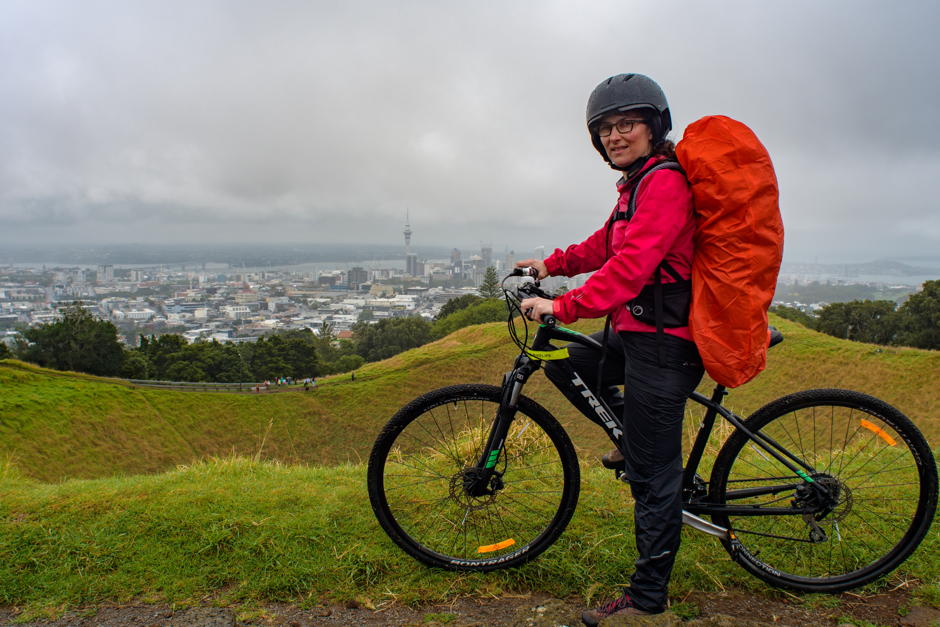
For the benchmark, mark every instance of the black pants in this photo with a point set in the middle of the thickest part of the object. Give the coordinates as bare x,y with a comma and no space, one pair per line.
653,406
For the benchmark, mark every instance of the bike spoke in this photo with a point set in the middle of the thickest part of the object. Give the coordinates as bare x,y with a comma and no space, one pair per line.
870,480
447,506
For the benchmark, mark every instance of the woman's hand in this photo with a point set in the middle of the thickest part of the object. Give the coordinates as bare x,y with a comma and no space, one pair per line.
534,263
535,308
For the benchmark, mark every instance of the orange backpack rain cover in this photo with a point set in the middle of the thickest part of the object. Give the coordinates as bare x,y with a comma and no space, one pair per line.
738,246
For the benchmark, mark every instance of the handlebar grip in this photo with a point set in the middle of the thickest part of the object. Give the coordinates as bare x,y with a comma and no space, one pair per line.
526,271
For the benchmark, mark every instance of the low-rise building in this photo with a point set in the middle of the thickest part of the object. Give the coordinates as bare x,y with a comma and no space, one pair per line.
236,312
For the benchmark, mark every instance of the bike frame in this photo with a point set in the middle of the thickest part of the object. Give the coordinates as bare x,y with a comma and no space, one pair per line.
695,492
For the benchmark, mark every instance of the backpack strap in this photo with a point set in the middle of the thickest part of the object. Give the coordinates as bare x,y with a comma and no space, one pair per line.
664,265
631,204
658,313
671,271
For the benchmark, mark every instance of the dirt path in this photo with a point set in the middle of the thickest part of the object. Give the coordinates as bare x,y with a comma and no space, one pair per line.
723,609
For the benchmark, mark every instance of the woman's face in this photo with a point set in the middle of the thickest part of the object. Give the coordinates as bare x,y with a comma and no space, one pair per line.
624,144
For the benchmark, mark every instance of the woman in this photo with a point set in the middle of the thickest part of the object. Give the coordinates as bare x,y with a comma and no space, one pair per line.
628,119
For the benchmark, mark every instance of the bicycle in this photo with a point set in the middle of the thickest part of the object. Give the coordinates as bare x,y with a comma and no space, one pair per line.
818,491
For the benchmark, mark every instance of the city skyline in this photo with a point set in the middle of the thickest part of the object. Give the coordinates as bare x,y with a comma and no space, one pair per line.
228,303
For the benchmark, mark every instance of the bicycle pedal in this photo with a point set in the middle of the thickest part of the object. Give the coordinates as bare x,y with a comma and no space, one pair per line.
621,476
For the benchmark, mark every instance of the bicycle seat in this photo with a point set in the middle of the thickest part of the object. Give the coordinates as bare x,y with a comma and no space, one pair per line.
775,336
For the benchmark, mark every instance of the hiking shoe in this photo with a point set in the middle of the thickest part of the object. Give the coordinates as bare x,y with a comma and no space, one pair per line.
613,460
621,606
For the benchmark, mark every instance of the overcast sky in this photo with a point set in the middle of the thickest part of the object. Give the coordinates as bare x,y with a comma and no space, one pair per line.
229,121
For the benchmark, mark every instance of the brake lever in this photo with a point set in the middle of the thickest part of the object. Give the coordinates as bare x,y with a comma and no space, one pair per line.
533,290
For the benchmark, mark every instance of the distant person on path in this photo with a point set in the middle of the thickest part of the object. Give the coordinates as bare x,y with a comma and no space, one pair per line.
628,120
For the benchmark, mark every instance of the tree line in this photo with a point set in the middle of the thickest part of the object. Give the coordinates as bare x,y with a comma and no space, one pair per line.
915,323
82,343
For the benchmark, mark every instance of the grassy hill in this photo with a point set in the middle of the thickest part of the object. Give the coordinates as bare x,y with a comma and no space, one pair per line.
240,532
55,425
110,493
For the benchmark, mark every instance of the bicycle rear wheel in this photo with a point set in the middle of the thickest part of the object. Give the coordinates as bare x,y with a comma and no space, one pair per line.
425,454
881,484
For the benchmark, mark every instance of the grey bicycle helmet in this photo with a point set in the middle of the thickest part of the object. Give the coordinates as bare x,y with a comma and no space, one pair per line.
629,92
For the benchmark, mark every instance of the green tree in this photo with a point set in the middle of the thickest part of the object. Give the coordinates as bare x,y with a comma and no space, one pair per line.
161,351
390,337
490,288
872,321
266,362
218,362
919,318
457,303
185,370
77,342
171,358
300,351
235,369
288,354
794,314
335,355
345,363
136,365
5,352
489,310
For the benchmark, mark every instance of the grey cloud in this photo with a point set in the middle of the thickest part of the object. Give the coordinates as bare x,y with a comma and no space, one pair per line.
232,118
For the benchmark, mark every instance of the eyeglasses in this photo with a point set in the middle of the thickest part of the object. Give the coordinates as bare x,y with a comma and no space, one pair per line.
623,126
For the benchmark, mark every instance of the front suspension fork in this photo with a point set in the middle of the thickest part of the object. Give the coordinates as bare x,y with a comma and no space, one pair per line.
513,383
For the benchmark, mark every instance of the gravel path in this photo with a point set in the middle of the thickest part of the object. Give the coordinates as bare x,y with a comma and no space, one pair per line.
698,610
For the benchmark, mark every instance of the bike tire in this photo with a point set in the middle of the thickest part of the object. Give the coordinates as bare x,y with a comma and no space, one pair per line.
418,463
880,472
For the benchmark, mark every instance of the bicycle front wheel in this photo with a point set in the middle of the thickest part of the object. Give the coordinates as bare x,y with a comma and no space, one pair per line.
425,457
880,493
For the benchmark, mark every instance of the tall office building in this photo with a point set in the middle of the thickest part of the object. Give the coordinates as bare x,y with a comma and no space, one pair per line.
486,253
105,273
412,266
356,277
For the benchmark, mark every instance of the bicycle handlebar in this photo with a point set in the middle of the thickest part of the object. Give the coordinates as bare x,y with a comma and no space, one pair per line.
532,290
549,320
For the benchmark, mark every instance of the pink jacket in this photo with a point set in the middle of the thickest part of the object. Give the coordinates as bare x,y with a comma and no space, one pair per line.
663,227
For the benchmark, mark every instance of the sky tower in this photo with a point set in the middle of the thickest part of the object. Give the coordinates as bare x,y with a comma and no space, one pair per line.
411,259
407,234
